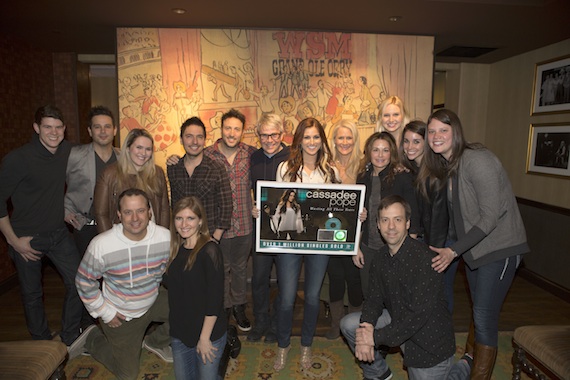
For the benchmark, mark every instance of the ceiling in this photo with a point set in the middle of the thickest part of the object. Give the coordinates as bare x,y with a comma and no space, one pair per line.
88,27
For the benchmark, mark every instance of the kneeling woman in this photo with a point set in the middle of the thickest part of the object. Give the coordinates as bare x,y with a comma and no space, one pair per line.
195,280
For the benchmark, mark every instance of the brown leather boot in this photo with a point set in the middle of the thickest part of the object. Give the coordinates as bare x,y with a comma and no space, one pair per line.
470,345
483,362
337,312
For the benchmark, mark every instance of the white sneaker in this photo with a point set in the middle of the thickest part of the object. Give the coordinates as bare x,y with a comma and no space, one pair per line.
165,353
78,346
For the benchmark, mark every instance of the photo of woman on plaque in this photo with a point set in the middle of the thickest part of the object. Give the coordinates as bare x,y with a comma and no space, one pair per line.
287,220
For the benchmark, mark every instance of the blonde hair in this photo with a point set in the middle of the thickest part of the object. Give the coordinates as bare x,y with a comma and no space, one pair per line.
398,103
146,178
356,155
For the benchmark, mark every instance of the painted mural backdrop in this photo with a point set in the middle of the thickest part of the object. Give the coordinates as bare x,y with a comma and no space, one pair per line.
168,75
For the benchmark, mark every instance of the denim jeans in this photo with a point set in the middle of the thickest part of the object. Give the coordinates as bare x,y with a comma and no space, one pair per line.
288,271
260,289
236,252
489,285
437,372
378,367
60,248
449,279
188,364
348,326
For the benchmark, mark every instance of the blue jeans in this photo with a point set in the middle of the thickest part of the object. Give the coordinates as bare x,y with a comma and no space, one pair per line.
378,367
260,289
288,271
348,326
437,372
188,364
489,285
60,248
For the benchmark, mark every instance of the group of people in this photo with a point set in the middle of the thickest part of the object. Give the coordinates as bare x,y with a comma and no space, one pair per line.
431,199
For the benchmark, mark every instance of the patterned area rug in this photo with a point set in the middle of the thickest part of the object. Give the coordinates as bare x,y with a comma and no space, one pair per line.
331,360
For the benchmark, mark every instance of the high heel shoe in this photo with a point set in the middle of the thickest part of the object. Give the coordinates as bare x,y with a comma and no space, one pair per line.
281,358
306,360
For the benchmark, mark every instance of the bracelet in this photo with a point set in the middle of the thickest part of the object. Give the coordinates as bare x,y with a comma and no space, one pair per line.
217,241
454,253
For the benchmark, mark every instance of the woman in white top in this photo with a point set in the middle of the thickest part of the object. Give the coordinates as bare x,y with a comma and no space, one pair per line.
310,161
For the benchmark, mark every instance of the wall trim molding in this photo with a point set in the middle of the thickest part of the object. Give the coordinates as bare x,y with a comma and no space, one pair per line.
544,206
551,287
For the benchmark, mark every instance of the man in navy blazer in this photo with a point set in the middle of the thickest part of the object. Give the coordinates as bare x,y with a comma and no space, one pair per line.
84,165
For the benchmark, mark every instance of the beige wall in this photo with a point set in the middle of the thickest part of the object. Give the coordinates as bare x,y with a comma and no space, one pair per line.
508,123
493,102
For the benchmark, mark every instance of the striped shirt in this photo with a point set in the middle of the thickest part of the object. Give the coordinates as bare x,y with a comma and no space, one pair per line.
131,272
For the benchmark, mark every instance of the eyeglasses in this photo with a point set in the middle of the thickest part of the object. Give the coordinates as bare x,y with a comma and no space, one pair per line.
274,136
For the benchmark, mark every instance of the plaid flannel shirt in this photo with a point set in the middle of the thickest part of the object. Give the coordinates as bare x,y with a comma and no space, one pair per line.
210,184
240,182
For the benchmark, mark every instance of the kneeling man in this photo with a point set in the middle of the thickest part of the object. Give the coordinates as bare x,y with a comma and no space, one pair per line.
406,306
131,259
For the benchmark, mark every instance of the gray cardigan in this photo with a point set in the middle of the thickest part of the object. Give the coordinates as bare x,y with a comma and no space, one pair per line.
487,219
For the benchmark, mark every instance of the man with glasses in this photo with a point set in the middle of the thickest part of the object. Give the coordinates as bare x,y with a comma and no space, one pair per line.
264,163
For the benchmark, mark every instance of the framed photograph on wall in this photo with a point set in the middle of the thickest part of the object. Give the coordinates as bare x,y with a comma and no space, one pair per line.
548,149
551,86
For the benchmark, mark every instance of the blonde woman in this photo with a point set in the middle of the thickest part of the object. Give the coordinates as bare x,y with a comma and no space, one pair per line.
342,273
392,117
134,168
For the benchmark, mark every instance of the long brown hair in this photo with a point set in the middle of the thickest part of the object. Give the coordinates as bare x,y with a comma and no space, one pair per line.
418,127
193,204
365,163
324,156
435,168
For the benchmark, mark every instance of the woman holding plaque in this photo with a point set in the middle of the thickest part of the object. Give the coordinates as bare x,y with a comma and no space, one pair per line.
310,161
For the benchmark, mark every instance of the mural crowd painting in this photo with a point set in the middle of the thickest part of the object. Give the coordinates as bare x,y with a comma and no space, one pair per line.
168,75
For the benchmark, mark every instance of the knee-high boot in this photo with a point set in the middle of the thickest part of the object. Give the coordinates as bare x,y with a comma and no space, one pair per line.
337,312
470,344
483,362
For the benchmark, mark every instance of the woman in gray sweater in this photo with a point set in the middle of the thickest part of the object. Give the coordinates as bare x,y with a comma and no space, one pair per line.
484,217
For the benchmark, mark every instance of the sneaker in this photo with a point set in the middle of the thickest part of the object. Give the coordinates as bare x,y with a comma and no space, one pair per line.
78,346
256,334
165,353
270,336
241,319
385,376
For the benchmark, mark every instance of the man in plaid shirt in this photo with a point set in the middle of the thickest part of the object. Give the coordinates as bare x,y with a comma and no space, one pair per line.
199,175
235,155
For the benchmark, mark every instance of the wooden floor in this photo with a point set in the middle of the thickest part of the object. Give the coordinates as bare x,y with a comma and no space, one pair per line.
526,304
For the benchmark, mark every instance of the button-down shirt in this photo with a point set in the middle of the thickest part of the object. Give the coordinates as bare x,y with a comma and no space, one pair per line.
406,285
240,183
209,183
